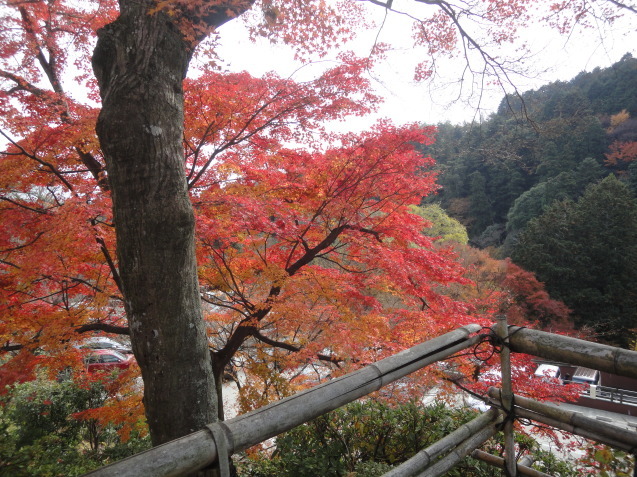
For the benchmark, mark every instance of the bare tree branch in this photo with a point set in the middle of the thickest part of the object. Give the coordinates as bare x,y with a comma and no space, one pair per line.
97,170
48,165
106,327
289,347
111,264
23,206
624,5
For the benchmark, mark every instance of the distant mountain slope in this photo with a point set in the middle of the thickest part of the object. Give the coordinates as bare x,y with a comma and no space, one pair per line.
550,144
550,180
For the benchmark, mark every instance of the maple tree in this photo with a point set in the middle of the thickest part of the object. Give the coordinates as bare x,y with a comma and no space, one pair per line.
57,245
319,255
500,286
620,151
99,230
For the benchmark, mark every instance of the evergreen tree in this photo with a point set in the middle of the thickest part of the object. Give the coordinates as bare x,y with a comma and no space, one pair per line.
586,253
567,139
480,207
632,177
566,185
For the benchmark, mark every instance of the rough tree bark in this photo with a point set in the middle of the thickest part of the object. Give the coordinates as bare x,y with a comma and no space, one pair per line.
140,62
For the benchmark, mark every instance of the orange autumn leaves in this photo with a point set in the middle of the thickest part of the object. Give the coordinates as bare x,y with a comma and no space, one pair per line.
306,242
307,250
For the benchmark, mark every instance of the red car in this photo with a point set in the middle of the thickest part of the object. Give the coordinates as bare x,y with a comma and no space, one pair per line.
107,360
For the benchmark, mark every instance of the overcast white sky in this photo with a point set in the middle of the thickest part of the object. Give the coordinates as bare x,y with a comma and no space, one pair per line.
554,57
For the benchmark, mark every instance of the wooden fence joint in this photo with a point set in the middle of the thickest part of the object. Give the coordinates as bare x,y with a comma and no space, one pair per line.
220,438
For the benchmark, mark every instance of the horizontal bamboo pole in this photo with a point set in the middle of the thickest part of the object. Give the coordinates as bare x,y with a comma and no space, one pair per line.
574,351
198,450
576,420
499,462
536,416
460,452
426,456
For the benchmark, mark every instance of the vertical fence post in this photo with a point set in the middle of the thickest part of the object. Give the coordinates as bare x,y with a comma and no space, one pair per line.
507,398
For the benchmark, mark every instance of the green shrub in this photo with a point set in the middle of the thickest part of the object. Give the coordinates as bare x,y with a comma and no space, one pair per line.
39,435
366,439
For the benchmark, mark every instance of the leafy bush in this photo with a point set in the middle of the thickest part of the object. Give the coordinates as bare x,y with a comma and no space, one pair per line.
42,407
40,435
604,461
366,439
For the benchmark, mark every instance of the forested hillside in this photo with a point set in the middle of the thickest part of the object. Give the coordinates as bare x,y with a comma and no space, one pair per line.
550,181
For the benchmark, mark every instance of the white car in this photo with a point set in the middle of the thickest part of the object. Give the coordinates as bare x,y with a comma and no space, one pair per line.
548,372
107,343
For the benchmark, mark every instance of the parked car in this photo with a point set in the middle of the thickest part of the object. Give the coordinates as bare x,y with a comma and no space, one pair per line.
549,373
107,360
106,343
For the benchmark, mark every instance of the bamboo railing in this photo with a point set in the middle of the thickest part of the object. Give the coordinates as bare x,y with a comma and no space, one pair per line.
200,449
570,421
221,439
574,351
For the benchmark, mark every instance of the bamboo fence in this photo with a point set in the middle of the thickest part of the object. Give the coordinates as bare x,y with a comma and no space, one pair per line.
220,440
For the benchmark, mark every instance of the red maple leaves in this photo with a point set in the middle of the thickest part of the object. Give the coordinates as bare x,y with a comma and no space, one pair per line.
308,252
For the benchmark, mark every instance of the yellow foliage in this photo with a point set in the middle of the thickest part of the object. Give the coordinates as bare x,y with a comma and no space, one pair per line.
619,118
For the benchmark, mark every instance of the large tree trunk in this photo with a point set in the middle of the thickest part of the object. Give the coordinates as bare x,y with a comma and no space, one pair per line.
140,62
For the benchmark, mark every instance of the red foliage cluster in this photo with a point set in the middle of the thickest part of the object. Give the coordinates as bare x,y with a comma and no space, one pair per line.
307,250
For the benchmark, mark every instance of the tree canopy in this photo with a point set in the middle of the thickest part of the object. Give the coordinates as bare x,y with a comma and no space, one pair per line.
546,145
122,217
586,253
